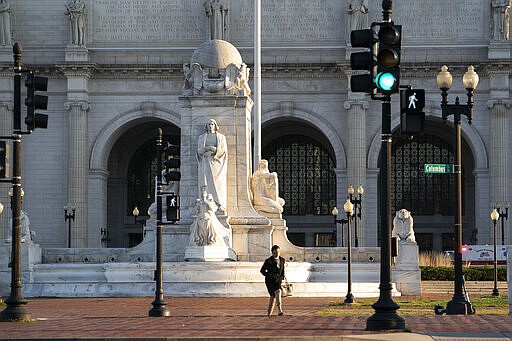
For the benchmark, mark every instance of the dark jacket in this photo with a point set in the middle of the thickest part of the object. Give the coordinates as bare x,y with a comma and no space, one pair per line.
273,275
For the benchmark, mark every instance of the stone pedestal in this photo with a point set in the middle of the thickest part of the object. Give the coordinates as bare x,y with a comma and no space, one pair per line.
499,51
6,53
210,253
30,254
76,53
406,272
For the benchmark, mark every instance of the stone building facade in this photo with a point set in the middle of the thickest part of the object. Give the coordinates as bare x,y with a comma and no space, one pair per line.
115,71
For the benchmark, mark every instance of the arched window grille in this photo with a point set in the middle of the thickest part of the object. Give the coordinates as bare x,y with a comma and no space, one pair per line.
307,181
412,188
141,175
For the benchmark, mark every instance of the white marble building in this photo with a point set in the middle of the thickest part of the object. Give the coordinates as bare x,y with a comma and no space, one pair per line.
115,71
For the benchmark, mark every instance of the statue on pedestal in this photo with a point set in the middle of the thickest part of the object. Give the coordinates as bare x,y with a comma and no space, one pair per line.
27,236
500,19
212,157
5,22
75,11
402,226
217,14
206,228
358,14
265,190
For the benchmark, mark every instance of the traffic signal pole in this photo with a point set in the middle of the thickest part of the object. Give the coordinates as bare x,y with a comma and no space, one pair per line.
159,305
16,309
385,316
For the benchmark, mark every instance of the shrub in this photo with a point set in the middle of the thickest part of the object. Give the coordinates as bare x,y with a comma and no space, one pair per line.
433,258
472,273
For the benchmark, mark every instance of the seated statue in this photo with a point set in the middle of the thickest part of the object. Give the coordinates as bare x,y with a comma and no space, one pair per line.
206,229
265,190
402,226
26,234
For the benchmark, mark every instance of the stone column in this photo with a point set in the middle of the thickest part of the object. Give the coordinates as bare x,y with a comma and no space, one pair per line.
97,205
356,150
499,110
483,207
371,209
78,171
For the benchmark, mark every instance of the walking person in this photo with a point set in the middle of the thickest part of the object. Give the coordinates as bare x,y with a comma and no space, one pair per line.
273,270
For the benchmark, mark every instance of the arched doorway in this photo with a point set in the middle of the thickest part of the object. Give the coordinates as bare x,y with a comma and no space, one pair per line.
132,170
431,197
304,161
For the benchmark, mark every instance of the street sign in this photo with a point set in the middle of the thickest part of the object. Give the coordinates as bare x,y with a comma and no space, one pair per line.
438,168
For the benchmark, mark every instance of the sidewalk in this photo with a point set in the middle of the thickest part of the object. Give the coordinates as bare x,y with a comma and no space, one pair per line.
238,318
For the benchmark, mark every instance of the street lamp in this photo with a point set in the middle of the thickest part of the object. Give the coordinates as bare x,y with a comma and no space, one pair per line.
503,217
494,217
142,222
357,209
334,213
348,207
69,217
458,304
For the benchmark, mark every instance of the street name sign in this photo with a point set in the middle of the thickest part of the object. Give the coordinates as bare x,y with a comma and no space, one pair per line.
438,168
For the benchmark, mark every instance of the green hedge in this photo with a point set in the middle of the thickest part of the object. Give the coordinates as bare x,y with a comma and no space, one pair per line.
472,273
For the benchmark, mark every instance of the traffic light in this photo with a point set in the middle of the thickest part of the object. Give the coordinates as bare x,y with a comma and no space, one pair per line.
387,78
172,162
4,160
33,101
412,117
366,60
172,213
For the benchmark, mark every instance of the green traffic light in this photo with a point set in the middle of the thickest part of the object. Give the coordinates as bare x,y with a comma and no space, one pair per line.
385,81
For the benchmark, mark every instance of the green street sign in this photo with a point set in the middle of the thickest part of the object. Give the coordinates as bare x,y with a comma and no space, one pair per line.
439,168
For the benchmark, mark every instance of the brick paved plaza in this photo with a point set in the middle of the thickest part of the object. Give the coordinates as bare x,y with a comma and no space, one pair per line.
107,318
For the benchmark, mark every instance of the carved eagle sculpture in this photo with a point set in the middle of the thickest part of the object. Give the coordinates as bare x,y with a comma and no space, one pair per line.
402,226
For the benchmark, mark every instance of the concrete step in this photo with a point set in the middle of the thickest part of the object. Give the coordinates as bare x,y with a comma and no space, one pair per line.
473,287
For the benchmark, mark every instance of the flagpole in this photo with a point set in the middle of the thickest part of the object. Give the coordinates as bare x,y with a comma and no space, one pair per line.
257,85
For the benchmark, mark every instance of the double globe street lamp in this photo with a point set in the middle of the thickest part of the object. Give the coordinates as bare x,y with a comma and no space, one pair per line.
357,209
494,217
458,304
348,207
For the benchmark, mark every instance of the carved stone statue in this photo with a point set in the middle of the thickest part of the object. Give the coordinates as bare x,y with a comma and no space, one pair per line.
27,236
206,229
217,15
402,226
75,11
265,190
212,157
358,14
5,22
500,19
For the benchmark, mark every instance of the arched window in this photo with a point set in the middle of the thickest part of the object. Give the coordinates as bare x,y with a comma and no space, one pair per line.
412,188
307,181
141,175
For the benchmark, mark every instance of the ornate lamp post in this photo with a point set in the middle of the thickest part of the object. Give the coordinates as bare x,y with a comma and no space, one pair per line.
16,309
458,304
494,217
348,207
503,217
357,209
69,217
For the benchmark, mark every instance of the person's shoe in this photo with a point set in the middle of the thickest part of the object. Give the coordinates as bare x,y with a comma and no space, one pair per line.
280,313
